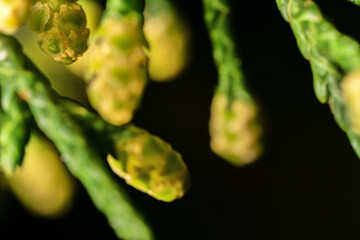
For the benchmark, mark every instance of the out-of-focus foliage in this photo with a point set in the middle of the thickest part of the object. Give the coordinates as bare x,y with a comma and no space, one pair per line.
350,89
13,15
357,2
42,183
3,193
168,36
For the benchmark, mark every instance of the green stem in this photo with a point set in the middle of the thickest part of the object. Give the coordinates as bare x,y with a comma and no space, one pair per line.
356,2
332,55
98,129
123,7
232,104
79,155
231,78
15,128
153,167
2,116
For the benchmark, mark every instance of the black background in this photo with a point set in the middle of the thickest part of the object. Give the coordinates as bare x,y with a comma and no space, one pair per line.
305,186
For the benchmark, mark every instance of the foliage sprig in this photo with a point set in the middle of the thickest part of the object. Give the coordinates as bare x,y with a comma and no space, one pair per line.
334,59
62,122
234,127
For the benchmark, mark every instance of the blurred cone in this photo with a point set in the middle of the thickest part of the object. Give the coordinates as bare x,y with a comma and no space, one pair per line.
42,183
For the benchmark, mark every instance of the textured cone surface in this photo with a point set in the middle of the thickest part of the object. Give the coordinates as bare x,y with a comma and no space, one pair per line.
116,68
62,28
233,130
149,164
93,11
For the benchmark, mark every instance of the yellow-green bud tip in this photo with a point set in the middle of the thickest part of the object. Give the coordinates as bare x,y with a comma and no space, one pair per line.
350,88
62,28
116,68
150,165
42,182
233,130
168,38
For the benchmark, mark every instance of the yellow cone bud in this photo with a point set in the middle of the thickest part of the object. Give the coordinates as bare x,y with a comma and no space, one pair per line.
13,14
62,28
350,87
150,165
42,183
168,38
116,68
93,11
233,130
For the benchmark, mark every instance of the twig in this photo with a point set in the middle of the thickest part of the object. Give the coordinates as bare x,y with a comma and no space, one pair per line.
78,153
334,58
234,127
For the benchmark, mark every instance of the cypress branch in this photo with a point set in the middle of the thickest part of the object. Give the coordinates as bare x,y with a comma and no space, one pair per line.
334,59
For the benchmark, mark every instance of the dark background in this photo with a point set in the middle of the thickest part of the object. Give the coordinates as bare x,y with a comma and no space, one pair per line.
305,186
